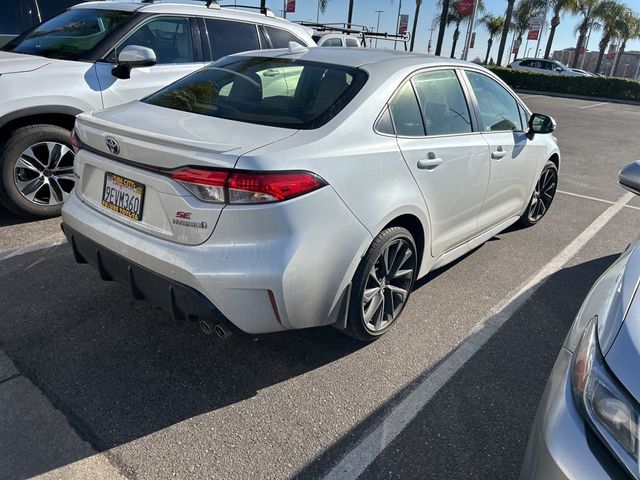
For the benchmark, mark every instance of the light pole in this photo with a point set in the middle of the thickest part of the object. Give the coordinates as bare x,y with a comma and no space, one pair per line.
544,24
318,13
430,38
395,43
379,12
472,23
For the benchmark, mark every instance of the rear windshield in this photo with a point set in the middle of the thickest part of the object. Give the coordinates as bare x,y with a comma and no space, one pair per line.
70,35
267,91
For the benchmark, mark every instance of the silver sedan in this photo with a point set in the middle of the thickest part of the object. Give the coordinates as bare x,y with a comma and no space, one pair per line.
303,187
588,421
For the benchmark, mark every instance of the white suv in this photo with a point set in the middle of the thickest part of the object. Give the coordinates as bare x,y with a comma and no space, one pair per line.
97,55
540,65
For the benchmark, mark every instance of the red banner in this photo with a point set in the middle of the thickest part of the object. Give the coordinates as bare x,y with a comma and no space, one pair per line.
533,34
464,7
291,6
404,24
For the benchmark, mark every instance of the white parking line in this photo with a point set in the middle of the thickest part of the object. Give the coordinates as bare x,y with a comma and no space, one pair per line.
355,462
595,199
594,105
31,248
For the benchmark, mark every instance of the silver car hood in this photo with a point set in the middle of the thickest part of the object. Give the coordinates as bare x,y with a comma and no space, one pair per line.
17,62
166,138
620,340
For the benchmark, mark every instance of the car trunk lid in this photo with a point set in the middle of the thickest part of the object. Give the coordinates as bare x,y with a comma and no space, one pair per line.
130,151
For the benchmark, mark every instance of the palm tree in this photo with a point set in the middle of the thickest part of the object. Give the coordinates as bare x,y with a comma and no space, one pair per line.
558,7
493,25
350,16
630,31
522,13
453,17
585,7
505,30
415,22
444,11
611,14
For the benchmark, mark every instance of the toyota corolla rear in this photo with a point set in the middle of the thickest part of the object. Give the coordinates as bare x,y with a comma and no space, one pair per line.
161,205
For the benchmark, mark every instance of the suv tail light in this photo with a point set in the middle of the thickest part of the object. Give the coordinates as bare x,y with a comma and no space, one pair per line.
222,186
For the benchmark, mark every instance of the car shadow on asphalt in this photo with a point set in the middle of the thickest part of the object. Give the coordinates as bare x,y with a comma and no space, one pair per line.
477,424
121,369
8,218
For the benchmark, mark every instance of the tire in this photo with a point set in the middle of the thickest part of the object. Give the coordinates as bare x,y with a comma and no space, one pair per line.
36,170
542,197
366,324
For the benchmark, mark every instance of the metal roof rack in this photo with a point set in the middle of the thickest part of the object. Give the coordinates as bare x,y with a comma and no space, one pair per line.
207,3
360,30
264,11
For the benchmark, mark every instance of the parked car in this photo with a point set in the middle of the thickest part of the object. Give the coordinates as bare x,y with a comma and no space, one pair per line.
588,422
583,73
243,201
335,40
16,16
97,55
539,65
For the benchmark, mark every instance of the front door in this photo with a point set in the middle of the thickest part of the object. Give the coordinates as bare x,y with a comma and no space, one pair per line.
513,155
448,160
172,40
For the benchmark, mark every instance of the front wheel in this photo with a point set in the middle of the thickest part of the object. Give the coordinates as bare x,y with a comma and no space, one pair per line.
382,284
542,197
36,165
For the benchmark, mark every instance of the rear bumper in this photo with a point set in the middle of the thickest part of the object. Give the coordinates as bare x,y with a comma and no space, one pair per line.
265,268
182,301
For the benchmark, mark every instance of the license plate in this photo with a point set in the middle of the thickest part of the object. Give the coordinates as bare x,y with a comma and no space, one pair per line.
123,196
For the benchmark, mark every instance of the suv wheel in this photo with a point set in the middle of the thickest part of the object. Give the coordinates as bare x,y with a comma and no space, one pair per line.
36,170
382,284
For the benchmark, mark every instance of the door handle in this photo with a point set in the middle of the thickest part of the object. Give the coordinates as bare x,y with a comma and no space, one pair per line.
430,162
498,153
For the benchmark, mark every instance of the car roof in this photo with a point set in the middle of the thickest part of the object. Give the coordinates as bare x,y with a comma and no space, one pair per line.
357,57
195,9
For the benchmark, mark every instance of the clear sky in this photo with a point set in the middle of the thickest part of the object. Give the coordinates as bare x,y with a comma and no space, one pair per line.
364,14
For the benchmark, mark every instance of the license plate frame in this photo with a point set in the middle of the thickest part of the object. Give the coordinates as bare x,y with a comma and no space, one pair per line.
124,197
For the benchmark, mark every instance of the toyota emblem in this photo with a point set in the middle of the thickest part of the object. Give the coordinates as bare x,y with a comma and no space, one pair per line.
112,145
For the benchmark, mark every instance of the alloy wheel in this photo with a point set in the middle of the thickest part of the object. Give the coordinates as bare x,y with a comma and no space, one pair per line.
388,284
543,195
43,173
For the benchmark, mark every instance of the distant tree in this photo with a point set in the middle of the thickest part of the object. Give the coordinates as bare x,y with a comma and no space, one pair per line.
611,15
558,7
493,25
630,31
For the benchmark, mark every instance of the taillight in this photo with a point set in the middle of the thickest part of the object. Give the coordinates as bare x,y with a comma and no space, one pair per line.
271,187
207,185
221,186
75,143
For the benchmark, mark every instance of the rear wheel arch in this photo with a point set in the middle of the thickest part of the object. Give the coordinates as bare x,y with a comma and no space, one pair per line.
417,229
61,116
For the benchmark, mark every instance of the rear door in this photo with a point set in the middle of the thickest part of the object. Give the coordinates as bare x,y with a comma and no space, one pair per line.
176,43
448,159
226,37
514,158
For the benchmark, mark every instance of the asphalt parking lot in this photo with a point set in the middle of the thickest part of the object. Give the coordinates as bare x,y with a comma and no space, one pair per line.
95,381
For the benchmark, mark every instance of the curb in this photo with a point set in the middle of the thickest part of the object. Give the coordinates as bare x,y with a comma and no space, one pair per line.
577,97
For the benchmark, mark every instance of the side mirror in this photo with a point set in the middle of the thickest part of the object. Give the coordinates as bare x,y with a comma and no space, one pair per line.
629,177
558,69
133,56
539,123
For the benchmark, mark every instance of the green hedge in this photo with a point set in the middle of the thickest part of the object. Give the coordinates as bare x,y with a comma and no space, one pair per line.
614,88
